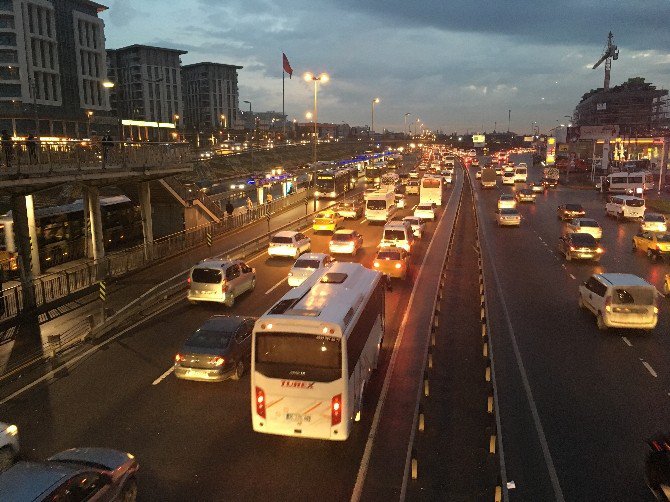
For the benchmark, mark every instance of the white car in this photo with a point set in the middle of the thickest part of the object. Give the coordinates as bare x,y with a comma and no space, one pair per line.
653,222
413,175
400,201
508,216
307,265
508,178
478,174
417,224
9,445
447,177
506,201
289,244
584,226
424,211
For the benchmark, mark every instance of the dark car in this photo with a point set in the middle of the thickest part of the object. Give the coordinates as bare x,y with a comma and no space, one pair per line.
657,467
537,187
570,211
100,474
218,350
580,247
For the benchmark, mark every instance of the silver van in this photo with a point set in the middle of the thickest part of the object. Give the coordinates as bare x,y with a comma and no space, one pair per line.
220,281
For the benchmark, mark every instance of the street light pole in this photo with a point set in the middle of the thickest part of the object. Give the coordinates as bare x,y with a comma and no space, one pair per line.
253,126
323,78
372,126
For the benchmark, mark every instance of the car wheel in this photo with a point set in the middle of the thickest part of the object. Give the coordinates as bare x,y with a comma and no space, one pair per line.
651,255
601,323
129,493
230,300
6,458
253,284
239,370
581,303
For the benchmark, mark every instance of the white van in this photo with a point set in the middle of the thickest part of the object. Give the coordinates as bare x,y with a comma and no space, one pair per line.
220,281
620,301
379,206
398,234
520,174
625,206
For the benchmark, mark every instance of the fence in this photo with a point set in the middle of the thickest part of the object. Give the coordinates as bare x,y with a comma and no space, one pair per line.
53,287
26,158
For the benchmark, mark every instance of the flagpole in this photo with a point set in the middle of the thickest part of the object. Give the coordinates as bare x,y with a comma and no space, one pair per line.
283,113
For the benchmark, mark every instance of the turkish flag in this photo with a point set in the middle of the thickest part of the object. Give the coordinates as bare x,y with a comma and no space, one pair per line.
287,65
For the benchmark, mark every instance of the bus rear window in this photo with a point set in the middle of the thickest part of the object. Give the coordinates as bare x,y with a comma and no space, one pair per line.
298,356
430,183
376,204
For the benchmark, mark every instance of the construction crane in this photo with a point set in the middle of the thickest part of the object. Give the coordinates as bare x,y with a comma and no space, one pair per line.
611,53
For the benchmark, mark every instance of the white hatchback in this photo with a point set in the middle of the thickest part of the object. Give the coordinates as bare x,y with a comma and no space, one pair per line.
653,222
424,211
584,226
289,244
506,201
307,265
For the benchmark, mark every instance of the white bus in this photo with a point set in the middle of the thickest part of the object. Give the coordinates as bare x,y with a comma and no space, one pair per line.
380,205
430,191
313,354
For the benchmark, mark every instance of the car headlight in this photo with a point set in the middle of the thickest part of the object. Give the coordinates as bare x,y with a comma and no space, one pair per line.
12,430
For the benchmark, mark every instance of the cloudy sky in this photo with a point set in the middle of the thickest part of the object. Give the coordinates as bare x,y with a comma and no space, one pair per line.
456,65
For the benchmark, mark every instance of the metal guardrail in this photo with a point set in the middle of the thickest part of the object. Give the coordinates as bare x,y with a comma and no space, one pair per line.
57,286
38,158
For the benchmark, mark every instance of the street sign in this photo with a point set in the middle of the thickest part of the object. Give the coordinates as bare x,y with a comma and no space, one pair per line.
209,238
103,291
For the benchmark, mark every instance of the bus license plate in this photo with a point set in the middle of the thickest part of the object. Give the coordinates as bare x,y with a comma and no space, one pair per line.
297,417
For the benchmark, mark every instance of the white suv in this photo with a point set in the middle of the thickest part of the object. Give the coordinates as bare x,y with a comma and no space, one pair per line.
620,301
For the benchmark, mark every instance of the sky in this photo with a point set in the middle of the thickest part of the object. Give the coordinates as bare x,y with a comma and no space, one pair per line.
455,65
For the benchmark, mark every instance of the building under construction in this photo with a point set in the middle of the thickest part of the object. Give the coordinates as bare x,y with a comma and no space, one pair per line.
636,106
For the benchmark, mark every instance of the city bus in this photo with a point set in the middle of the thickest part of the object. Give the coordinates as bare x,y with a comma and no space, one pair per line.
313,354
430,191
331,184
374,172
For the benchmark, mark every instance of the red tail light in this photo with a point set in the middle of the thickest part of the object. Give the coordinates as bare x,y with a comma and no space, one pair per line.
188,282
336,410
260,402
218,361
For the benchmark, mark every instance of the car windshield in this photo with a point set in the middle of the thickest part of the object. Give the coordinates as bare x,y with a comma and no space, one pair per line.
573,207
209,339
206,275
376,204
583,240
509,211
394,235
388,255
280,239
588,223
654,218
304,263
506,197
413,221
633,295
635,202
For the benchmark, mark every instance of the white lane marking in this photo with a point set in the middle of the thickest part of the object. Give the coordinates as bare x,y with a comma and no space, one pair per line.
558,493
563,265
364,220
661,294
626,341
163,376
573,277
260,255
649,369
275,286
367,452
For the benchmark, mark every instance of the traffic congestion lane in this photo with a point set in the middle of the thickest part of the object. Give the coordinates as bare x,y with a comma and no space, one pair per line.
576,374
169,425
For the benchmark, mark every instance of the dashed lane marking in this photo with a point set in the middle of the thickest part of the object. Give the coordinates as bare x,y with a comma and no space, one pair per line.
626,341
275,286
651,370
573,277
163,376
364,220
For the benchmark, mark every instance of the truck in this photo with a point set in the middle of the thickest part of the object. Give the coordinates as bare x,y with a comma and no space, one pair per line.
488,179
550,176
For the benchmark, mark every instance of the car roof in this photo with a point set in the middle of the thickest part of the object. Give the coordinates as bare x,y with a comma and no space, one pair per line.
215,263
506,196
285,233
313,256
616,279
29,481
344,231
390,248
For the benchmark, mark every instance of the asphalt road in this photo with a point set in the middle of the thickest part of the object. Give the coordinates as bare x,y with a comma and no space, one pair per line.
576,404
194,440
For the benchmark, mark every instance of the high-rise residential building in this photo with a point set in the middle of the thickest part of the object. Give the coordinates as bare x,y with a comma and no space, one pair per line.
52,68
147,87
211,101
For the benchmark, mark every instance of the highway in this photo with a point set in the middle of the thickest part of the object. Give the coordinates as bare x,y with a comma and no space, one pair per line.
194,440
576,404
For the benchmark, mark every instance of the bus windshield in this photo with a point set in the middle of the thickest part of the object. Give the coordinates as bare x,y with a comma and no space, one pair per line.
298,356
376,204
325,183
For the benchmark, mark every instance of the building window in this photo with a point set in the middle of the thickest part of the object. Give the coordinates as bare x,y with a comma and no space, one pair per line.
9,73
6,5
7,22
8,56
8,39
10,90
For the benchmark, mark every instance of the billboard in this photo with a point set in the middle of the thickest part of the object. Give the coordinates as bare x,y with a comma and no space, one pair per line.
551,151
528,139
593,132
478,140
